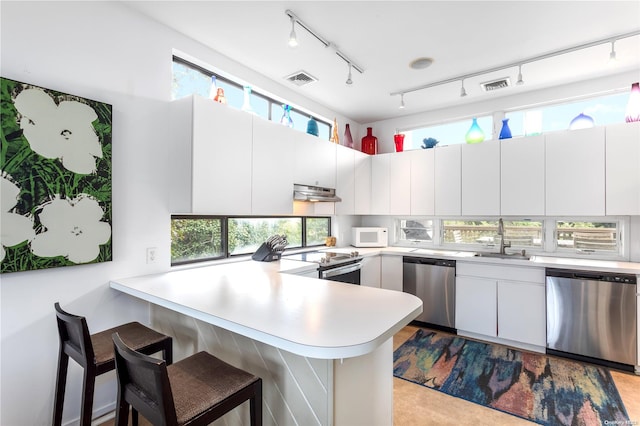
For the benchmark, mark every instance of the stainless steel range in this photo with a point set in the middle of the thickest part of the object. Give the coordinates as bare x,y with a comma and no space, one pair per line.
333,266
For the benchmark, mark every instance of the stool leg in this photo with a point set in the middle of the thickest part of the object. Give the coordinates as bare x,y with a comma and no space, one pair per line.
122,411
167,352
255,404
88,388
61,383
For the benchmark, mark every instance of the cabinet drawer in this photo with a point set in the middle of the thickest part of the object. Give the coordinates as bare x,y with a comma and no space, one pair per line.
499,272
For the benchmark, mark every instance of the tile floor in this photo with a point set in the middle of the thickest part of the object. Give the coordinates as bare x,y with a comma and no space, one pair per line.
415,405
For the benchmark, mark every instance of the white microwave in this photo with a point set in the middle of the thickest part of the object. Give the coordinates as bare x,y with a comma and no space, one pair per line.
369,237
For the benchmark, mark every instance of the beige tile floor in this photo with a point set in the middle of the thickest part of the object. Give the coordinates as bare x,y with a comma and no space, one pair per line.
415,405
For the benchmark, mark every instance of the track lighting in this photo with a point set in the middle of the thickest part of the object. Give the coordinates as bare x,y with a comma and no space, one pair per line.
612,55
401,101
349,81
463,92
293,39
520,81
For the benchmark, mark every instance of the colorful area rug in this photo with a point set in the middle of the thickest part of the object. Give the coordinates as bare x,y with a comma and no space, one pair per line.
536,387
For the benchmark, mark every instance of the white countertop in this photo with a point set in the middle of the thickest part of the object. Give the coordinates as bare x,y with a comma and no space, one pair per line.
305,316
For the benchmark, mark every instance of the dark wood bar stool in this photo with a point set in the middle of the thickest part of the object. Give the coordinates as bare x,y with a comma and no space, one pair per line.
94,353
194,391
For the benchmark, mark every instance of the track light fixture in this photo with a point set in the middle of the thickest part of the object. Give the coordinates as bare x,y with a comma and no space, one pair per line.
401,101
349,81
519,64
612,55
293,41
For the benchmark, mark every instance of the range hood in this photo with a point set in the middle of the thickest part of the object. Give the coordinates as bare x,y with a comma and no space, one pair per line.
314,193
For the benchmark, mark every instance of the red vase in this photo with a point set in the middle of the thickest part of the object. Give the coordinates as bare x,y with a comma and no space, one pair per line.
369,143
399,141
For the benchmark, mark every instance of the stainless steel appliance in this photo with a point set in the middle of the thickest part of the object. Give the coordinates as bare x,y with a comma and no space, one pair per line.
433,281
592,316
333,266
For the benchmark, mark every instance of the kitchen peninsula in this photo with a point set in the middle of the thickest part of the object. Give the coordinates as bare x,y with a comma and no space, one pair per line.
322,348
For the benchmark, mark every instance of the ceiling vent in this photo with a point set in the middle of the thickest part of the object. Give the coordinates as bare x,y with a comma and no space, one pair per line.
301,78
490,86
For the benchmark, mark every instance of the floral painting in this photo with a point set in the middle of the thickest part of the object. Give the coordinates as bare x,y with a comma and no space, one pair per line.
55,179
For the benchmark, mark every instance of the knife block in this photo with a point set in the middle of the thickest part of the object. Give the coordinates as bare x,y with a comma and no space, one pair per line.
265,254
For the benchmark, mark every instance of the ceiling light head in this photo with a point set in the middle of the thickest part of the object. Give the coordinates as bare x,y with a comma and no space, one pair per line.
401,101
293,39
612,55
463,92
420,63
520,81
349,81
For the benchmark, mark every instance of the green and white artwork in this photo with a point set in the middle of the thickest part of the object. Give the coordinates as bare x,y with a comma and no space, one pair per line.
55,177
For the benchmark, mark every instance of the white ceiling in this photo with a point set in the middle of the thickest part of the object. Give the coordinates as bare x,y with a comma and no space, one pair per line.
382,37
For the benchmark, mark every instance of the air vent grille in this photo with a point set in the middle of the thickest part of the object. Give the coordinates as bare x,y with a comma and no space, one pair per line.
490,86
301,78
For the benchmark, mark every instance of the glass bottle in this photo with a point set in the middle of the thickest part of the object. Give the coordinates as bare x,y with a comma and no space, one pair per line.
369,143
475,133
312,127
348,140
286,116
505,132
334,132
213,89
246,105
581,121
633,106
220,98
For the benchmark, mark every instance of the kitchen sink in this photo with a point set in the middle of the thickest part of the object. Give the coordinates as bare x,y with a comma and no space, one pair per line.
519,256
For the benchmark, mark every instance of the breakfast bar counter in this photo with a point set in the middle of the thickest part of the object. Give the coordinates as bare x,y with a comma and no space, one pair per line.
322,348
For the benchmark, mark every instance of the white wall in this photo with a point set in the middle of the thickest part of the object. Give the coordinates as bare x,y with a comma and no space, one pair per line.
102,51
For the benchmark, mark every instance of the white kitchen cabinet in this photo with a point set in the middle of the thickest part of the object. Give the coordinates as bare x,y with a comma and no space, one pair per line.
211,158
315,160
422,182
521,312
448,180
362,194
272,178
481,179
575,173
522,176
380,184
476,305
391,272
623,169
400,183
370,272
345,180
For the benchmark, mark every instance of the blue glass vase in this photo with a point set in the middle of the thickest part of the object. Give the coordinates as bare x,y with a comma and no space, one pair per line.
475,133
286,116
581,121
312,127
505,132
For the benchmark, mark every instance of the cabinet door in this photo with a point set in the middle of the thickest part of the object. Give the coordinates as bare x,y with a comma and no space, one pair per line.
272,180
448,179
380,184
391,272
370,272
422,182
521,312
481,179
522,176
362,196
575,173
623,169
315,160
400,183
345,180
476,305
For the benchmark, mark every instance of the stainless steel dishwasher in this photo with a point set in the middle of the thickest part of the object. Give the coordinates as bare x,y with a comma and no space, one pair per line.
434,282
592,315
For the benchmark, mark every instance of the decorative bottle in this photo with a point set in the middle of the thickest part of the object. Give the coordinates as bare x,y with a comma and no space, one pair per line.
475,133
246,105
505,132
312,127
581,121
369,143
348,140
334,132
220,98
213,89
633,106
286,116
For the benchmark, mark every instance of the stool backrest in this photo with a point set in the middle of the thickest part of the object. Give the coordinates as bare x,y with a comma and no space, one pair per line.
143,382
75,339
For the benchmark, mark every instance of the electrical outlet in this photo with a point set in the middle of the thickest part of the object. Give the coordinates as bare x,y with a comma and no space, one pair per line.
152,254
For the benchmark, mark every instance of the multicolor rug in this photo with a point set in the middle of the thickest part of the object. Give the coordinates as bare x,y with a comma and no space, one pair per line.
536,387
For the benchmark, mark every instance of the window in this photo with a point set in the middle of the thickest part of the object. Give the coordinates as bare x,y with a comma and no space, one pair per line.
604,110
484,233
414,231
202,238
191,79
446,134
588,237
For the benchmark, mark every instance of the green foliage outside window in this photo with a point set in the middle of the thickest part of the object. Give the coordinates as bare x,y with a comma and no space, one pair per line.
193,239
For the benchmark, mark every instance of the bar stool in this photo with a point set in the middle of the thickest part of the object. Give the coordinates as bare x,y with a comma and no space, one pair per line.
94,353
194,391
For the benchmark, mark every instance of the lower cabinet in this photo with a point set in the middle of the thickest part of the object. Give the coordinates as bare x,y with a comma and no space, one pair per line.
502,302
391,272
370,272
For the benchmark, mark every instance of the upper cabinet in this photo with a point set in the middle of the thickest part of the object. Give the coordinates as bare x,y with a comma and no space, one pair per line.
345,179
362,176
481,179
422,182
380,184
448,165
522,176
400,183
575,173
211,156
315,160
623,169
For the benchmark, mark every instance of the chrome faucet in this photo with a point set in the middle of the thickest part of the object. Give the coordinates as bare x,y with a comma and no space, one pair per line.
503,245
